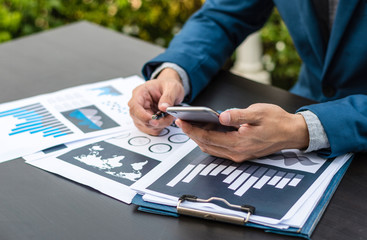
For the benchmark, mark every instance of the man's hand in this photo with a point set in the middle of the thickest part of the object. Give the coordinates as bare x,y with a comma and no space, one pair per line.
158,94
262,129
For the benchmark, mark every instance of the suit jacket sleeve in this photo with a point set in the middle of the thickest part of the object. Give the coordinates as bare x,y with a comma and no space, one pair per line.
345,124
209,37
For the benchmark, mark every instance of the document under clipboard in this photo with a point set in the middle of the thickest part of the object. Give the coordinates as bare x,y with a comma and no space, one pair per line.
305,231
214,216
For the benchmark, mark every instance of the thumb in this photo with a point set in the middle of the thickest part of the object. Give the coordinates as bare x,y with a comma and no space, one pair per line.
170,97
236,117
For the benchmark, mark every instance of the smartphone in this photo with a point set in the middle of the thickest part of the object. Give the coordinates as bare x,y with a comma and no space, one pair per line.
194,114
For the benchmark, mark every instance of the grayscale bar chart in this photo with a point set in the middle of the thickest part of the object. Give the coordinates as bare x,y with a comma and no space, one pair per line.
239,177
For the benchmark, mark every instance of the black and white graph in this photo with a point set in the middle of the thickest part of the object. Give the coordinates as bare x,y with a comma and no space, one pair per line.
240,178
293,159
251,183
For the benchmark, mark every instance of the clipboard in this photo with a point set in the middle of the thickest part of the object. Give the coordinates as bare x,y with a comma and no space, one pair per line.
304,232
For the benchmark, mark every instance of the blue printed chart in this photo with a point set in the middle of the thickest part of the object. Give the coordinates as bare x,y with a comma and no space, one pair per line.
28,127
34,126
41,122
112,98
35,118
107,91
89,119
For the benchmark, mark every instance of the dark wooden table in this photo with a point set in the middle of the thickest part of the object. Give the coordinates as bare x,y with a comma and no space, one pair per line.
39,205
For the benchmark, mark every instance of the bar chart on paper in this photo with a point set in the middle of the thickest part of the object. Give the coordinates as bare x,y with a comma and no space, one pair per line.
40,122
240,178
246,183
35,118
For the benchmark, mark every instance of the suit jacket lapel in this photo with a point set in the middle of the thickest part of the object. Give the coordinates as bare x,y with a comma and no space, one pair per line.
344,13
312,29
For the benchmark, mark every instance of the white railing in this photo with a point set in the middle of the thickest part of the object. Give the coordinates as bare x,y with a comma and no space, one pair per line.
248,61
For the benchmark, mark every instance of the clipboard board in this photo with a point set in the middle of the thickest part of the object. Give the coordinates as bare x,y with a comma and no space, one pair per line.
304,232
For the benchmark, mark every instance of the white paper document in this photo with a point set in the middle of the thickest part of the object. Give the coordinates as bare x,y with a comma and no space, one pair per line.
40,122
113,165
85,134
284,187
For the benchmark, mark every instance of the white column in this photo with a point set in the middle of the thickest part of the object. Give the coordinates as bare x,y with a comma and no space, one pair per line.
248,62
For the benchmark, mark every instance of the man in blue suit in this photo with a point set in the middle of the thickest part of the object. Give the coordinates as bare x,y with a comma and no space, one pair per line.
333,48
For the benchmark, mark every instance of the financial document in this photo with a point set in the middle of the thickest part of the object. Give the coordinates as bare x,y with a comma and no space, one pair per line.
283,187
40,122
113,165
85,134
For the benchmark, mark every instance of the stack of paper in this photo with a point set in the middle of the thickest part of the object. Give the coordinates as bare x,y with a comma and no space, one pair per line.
85,134
284,187
37,123
113,165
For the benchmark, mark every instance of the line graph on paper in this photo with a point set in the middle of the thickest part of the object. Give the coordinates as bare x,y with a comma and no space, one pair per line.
251,182
35,118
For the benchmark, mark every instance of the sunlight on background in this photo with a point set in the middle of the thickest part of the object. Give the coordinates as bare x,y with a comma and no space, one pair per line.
156,21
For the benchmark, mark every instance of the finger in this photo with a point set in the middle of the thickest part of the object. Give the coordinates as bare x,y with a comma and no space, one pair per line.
237,117
209,137
144,121
162,122
236,154
139,112
148,128
207,146
169,98
141,107
172,94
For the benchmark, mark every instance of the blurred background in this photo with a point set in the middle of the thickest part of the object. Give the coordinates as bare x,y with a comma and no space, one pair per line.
156,21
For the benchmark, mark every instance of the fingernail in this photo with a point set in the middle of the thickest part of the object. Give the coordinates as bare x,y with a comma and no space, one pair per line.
225,117
164,105
178,123
153,123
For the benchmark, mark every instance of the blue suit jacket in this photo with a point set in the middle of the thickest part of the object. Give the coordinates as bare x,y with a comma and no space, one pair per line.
335,75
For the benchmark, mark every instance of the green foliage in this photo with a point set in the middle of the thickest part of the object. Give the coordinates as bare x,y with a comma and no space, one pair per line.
280,56
9,23
156,21
29,16
152,20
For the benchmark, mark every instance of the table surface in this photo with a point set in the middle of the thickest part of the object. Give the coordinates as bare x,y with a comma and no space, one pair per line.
35,204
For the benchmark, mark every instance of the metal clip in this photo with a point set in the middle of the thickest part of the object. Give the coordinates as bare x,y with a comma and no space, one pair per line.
214,216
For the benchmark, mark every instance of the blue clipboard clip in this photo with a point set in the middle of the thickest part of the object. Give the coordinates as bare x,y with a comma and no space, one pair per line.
214,216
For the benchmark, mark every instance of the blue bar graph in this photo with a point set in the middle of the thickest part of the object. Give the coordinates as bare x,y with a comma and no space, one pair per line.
37,120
